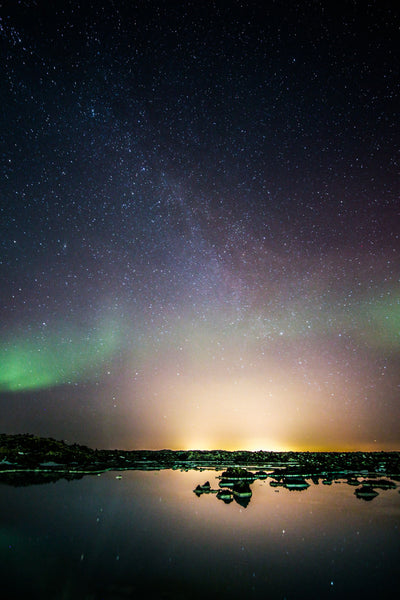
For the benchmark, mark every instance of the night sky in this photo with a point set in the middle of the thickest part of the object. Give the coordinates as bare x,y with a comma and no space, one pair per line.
200,223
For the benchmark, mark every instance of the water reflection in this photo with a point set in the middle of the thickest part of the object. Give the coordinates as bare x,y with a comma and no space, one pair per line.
235,483
147,534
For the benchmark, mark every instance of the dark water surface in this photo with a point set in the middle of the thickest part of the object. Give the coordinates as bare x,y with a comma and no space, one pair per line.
149,535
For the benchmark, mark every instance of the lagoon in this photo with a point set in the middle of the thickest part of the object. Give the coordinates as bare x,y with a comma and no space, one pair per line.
122,535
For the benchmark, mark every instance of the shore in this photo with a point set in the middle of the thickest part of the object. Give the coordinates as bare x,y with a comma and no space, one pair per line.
25,456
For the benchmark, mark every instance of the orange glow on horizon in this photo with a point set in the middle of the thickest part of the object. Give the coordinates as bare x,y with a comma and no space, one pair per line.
278,405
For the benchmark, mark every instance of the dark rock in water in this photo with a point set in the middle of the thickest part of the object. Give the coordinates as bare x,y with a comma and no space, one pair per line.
203,489
368,489
366,492
261,474
278,474
238,473
352,481
226,483
291,480
296,483
275,483
225,495
242,489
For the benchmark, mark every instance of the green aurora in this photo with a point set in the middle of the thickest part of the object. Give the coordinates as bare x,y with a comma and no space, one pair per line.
47,359
66,355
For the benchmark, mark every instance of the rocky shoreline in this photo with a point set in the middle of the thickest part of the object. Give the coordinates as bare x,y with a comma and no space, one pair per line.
27,459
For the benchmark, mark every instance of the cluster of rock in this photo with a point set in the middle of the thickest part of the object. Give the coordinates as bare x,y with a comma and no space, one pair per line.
235,482
366,482
368,488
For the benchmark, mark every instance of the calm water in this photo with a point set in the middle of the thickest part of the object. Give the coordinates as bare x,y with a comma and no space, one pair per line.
148,533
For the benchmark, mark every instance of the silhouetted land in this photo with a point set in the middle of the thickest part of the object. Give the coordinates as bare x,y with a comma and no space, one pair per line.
26,459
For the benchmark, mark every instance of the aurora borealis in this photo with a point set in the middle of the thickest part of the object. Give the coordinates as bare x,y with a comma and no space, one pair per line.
200,224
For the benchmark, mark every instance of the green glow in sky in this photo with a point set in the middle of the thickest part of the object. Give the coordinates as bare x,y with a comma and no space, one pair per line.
44,359
380,323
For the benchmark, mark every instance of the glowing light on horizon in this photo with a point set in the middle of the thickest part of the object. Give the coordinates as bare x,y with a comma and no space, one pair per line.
275,404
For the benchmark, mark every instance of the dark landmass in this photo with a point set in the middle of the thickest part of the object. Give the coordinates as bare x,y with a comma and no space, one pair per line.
26,459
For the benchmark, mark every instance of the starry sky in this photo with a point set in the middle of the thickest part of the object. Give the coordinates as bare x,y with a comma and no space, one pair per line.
200,223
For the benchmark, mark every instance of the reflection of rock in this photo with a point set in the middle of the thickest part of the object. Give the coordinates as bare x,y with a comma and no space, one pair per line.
225,495
242,489
296,483
242,500
26,478
366,492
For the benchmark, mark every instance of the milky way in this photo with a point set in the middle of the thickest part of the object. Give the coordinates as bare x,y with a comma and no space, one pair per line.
200,224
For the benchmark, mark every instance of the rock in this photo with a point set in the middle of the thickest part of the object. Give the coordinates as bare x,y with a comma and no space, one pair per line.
275,483
352,481
242,489
229,483
296,483
236,473
225,495
203,489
